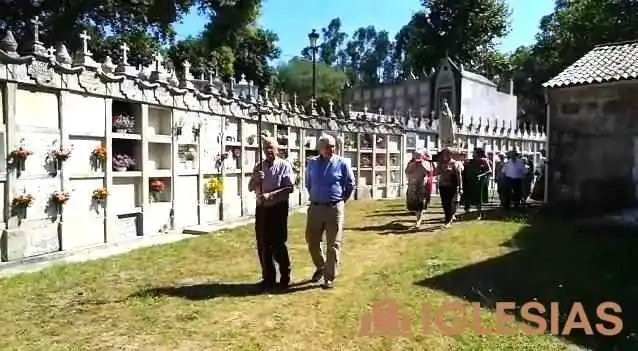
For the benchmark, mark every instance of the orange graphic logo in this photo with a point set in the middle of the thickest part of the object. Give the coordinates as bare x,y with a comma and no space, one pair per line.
386,319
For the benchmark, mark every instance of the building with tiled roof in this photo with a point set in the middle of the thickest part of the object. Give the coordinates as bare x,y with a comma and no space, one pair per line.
592,125
603,64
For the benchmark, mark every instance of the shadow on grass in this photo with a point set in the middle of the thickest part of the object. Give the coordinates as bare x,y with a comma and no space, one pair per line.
208,291
398,227
556,261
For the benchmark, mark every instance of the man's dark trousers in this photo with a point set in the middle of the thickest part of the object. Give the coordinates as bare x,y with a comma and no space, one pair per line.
271,228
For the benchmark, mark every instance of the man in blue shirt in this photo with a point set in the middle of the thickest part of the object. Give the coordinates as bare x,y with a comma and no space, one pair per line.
330,182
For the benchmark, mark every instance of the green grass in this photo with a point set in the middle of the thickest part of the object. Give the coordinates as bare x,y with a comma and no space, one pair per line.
194,295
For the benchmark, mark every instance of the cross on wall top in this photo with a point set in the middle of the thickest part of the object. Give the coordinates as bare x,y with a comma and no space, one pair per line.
85,42
125,49
36,28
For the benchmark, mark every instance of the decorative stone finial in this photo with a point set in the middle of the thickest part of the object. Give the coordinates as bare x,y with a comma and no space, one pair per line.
108,66
158,73
62,56
365,109
9,45
187,82
51,52
85,37
331,106
36,29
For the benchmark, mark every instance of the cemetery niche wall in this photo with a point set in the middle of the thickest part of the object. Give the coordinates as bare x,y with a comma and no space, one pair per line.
104,152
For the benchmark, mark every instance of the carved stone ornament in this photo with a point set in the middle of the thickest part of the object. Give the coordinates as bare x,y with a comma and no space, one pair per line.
42,74
9,51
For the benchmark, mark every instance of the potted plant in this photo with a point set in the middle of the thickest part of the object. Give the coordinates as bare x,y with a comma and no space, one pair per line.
18,158
58,199
189,157
123,123
98,157
99,197
60,155
122,162
20,203
214,189
156,187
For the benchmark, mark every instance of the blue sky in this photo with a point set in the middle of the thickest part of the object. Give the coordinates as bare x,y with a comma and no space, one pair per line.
292,21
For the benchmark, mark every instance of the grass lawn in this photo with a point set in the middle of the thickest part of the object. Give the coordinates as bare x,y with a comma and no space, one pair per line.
194,295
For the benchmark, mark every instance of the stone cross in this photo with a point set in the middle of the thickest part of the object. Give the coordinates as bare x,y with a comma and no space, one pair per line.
51,51
125,49
85,42
158,61
187,70
331,106
36,28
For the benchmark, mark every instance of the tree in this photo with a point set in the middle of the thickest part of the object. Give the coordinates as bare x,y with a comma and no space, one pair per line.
144,25
295,77
565,35
330,50
463,29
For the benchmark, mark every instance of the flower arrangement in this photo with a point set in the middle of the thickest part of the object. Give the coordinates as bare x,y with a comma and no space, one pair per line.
22,201
100,194
123,162
62,154
214,187
99,153
123,123
190,154
348,143
60,197
156,187
18,157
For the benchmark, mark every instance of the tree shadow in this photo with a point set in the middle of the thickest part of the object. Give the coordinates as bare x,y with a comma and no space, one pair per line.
555,260
207,291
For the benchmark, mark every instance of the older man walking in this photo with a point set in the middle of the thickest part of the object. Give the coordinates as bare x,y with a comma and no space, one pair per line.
330,182
272,181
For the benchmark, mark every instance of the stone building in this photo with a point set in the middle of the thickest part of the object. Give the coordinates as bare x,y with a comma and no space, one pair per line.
471,96
593,130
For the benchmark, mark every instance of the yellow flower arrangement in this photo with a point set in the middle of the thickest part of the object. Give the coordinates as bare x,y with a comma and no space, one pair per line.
214,187
100,194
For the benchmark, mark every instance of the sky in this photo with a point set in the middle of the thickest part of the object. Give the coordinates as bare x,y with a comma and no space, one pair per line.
292,21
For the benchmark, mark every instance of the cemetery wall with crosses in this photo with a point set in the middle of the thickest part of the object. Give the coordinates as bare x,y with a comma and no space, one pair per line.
99,152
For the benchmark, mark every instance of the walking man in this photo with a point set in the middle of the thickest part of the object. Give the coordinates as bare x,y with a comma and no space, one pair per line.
514,172
272,181
330,182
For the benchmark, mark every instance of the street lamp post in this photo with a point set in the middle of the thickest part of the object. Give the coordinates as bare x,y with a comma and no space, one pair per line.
313,37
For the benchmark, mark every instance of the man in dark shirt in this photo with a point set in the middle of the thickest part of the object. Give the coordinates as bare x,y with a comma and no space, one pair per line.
272,181
330,182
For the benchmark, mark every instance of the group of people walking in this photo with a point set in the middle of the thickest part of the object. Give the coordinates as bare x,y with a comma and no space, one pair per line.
467,183
329,180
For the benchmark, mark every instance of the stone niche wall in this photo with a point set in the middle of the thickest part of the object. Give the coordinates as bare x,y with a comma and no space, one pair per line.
594,134
181,136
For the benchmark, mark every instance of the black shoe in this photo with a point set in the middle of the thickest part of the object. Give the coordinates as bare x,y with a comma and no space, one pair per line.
328,284
317,275
284,282
266,284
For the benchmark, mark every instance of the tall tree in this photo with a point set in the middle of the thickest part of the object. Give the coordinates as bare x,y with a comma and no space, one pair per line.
295,77
464,29
330,48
